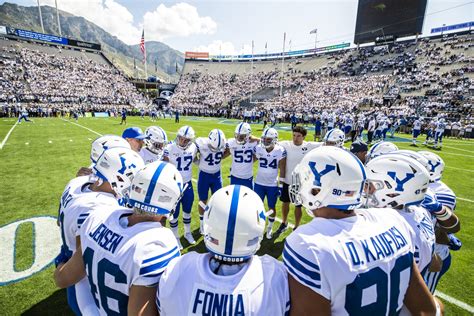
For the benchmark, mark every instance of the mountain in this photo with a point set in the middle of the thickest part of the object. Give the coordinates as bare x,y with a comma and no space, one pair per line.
74,27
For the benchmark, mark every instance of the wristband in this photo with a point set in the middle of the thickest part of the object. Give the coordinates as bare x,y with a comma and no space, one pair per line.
452,226
442,216
281,179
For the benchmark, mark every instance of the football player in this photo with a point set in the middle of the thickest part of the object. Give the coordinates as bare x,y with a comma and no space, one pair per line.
445,239
182,153
98,146
211,151
400,182
380,148
114,170
230,279
154,144
271,158
349,260
241,148
416,130
439,131
124,252
334,137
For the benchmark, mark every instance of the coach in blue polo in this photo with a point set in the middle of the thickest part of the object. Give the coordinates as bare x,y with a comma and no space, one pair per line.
135,137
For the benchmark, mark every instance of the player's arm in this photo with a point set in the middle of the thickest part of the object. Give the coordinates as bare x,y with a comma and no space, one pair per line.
84,171
254,139
304,301
282,167
448,221
72,271
418,298
141,301
226,153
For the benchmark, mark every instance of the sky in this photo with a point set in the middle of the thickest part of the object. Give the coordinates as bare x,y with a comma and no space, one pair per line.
228,27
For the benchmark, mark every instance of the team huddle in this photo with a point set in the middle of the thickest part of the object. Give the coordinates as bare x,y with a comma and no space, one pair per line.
378,243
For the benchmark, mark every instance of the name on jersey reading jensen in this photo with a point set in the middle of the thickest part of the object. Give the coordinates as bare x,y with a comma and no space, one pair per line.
106,238
376,247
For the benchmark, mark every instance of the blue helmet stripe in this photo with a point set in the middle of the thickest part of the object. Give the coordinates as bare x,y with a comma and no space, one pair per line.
240,127
186,131
229,241
329,134
154,179
218,139
373,148
164,135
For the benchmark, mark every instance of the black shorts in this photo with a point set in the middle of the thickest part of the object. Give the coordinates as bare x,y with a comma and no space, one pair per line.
285,194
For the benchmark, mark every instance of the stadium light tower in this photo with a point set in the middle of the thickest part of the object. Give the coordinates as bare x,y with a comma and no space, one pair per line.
40,16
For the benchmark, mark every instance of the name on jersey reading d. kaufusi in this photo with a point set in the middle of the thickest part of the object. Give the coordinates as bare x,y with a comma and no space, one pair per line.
106,238
377,247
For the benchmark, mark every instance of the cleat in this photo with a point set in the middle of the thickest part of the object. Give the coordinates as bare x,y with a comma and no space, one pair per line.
281,229
189,237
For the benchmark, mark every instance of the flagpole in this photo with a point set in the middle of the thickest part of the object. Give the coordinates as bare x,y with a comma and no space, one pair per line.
282,65
251,76
40,16
57,16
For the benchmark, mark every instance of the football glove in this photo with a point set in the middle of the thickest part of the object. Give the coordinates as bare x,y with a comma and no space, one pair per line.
431,204
63,257
454,243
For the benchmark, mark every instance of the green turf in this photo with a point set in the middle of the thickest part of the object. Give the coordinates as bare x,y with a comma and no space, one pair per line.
40,158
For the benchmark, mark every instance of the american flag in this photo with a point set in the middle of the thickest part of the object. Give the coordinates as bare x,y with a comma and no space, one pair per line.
142,45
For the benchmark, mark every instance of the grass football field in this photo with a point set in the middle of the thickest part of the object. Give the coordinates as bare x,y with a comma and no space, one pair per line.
38,159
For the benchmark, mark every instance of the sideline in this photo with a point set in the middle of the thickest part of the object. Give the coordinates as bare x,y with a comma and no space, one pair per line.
8,135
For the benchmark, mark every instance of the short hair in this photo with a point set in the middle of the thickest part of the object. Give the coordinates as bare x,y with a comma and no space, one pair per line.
300,129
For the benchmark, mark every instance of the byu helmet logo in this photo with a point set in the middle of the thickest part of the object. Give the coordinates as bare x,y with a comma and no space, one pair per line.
400,182
433,166
318,175
122,170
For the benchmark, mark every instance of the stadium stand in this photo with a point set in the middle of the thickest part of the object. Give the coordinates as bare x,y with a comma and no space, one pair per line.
43,75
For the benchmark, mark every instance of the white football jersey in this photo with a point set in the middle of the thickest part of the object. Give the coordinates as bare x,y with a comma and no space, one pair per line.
182,159
417,125
267,173
420,220
331,121
148,156
76,203
259,288
446,197
242,159
209,161
294,154
354,262
440,126
117,256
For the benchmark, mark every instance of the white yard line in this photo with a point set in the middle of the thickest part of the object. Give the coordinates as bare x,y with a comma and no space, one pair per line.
465,150
8,135
463,169
463,199
445,153
87,128
454,301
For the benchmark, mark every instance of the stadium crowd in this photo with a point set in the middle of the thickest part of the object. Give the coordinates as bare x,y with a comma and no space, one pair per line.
33,77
